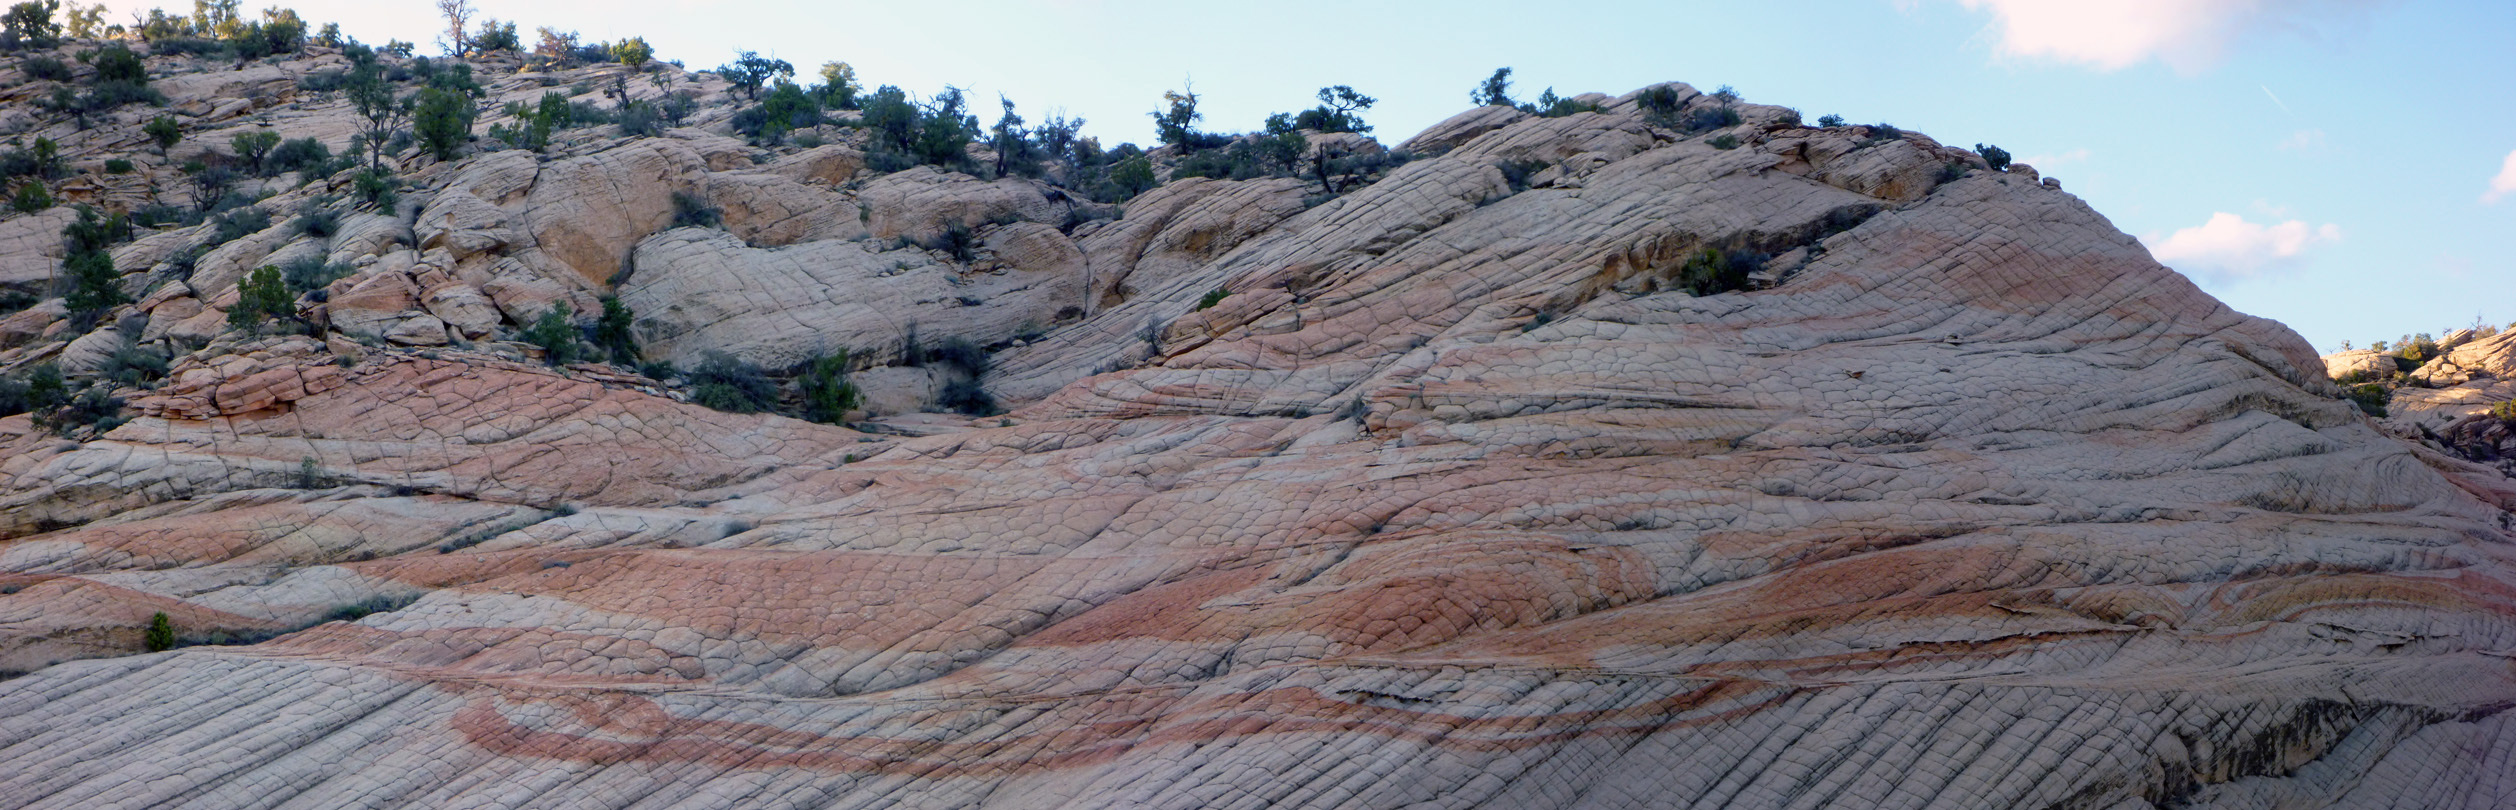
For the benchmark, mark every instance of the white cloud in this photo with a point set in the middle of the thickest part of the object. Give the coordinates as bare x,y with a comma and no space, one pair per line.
2047,162
2505,183
2229,248
2304,140
2188,35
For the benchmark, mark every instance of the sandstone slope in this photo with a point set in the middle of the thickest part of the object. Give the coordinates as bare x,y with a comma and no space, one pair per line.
1458,497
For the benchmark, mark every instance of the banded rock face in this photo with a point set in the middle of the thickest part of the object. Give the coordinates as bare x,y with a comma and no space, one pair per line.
1457,498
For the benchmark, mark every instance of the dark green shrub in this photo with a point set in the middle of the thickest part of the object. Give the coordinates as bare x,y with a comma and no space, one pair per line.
94,407
252,148
1128,178
612,332
891,121
93,233
46,68
2371,398
304,155
723,382
959,353
956,241
1495,91
2417,348
1176,122
375,187
41,390
41,159
496,36
586,113
117,166
309,273
1994,156
115,63
1830,121
261,298
828,396
164,132
30,198
1789,117
1340,110
1213,297
95,287
1723,141
240,223
556,333
187,46
442,120
1256,156
323,81
1550,105
111,95
639,119
787,108
1711,271
1711,118
1518,172
368,607
1660,104
676,108
689,211
965,396
317,221
134,366
161,633
945,129
750,72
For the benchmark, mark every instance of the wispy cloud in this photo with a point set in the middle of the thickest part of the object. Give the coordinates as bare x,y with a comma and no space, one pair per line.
2304,140
2046,162
2188,35
2275,99
2505,183
2230,248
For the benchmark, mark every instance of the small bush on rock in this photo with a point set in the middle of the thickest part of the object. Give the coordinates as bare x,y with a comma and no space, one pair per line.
261,298
689,211
45,68
723,382
556,333
30,198
612,333
828,396
161,633
1993,156
966,397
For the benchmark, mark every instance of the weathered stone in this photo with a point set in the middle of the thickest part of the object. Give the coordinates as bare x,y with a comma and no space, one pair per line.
463,307
1455,489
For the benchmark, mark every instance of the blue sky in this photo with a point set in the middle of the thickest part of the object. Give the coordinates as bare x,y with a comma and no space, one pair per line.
2321,162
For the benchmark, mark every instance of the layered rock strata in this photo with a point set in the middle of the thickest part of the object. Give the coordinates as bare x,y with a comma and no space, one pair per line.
1468,492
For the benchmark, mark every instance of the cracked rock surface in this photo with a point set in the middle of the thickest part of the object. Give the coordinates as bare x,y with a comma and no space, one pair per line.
1459,497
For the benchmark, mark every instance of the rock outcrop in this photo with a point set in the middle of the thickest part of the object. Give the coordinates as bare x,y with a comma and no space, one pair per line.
1578,462
2456,402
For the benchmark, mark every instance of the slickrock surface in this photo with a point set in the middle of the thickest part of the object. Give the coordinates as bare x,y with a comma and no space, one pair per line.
1456,499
